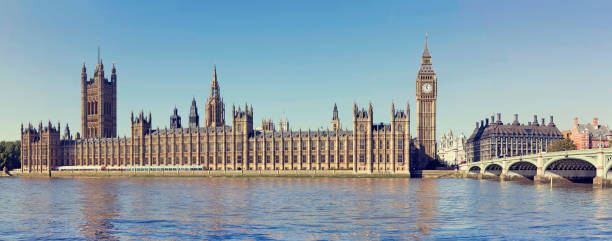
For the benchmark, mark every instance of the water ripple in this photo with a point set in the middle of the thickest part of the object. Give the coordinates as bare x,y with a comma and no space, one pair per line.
299,209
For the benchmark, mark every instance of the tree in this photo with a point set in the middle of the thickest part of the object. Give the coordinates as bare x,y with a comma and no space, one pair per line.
10,154
561,145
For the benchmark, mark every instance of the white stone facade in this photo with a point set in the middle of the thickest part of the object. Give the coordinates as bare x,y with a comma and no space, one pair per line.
451,149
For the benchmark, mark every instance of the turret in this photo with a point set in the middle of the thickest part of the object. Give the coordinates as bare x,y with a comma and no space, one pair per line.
194,117
400,120
267,125
83,73
363,118
370,111
114,74
335,123
408,111
84,100
243,120
175,120
335,112
141,125
67,135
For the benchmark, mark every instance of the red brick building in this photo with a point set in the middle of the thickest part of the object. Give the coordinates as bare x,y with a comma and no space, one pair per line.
591,135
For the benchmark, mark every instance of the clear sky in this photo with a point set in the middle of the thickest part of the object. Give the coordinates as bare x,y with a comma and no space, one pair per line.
301,57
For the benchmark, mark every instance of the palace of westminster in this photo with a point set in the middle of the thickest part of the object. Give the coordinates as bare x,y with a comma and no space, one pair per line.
218,145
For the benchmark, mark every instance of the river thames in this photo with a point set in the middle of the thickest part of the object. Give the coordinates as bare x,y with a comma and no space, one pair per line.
299,209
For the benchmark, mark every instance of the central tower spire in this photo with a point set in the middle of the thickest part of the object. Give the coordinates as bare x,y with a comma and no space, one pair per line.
215,109
214,88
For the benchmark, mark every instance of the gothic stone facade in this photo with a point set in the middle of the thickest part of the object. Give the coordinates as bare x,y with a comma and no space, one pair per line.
496,139
99,103
368,148
426,96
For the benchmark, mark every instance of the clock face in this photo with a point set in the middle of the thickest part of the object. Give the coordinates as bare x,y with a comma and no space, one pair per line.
427,88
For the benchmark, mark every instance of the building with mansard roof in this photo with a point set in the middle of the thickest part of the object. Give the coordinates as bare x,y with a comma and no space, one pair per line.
495,139
235,145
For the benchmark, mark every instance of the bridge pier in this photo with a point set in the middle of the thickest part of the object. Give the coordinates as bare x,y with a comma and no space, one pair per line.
539,177
600,172
504,170
504,174
482,171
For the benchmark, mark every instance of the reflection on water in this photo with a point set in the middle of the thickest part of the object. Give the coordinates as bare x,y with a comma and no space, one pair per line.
299,209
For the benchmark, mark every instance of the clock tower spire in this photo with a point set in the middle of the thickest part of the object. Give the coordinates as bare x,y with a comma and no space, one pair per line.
426,95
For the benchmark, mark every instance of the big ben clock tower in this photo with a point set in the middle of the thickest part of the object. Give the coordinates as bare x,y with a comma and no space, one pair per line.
426,95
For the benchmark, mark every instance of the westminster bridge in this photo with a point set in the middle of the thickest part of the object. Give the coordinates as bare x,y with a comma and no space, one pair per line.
576,166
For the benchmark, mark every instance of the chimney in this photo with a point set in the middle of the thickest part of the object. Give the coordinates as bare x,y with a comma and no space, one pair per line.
575,122
476,124
595,122
515,120
492,119
481,123
499,117
551,123
487,121
543,119
535,120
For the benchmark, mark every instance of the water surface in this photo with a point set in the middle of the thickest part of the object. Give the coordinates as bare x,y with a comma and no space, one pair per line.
299,209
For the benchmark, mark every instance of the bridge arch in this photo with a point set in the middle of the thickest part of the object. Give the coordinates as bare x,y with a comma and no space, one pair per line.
584,159
608,169
474,169
576,169
493,168
521,160
524,169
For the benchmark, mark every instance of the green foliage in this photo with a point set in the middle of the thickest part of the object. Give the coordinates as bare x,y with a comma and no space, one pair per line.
10,154
561,145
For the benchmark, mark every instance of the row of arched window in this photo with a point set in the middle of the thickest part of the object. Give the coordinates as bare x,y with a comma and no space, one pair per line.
92,131
92,107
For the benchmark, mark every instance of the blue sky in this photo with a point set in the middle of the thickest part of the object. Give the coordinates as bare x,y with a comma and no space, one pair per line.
299,58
